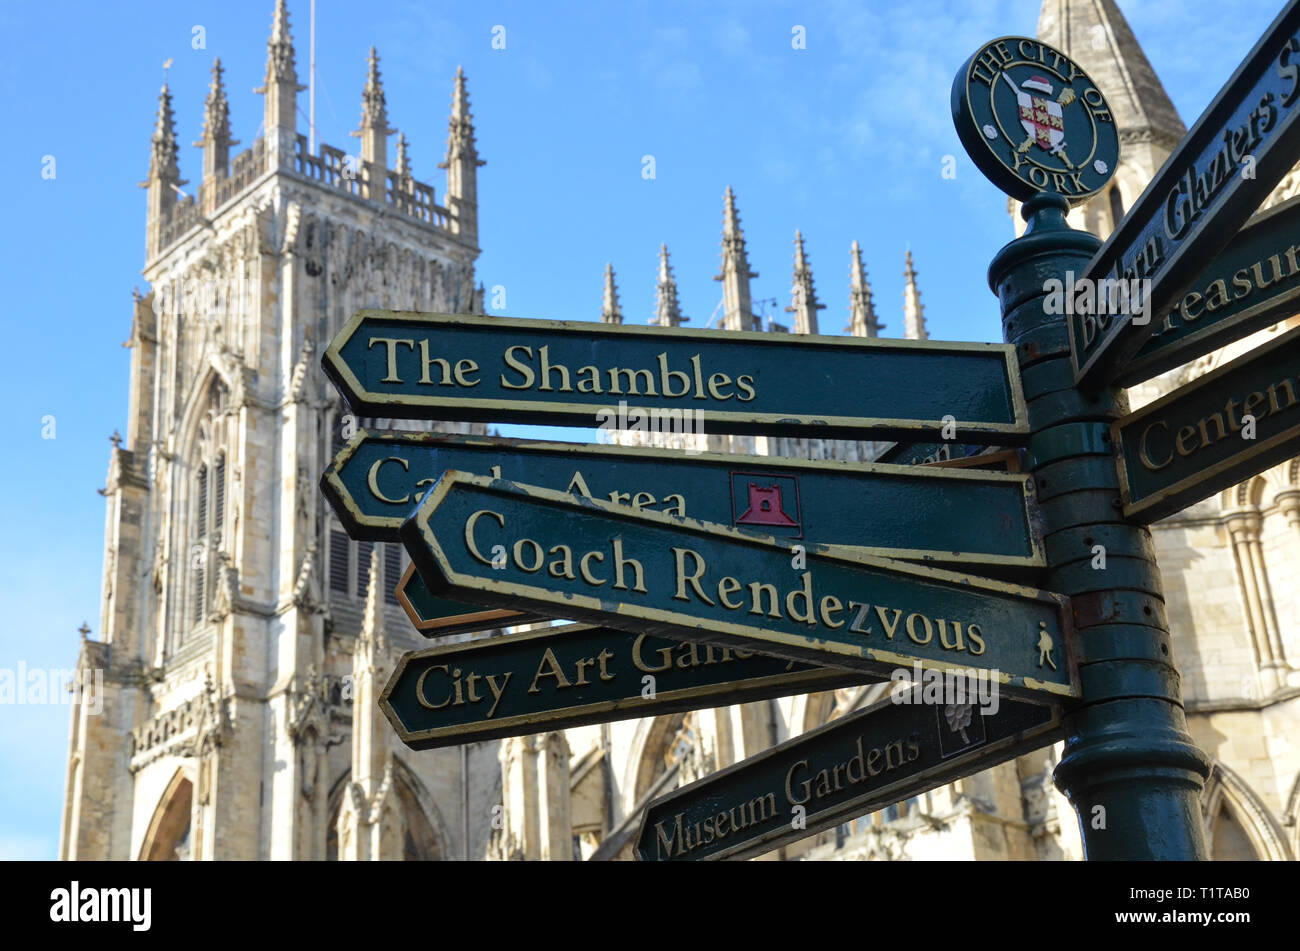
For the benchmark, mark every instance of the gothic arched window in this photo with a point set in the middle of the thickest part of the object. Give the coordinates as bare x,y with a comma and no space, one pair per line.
207,508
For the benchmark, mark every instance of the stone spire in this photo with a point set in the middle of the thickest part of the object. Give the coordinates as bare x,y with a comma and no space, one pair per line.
803,298
610,311
738,311
405,180
913,311
369,823
281,87
216,140
668,311
862,311
374,129
164,173
462,165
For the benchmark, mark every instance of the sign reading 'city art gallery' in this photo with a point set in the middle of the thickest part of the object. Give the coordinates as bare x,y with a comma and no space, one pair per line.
850,767
852,509
437,366
1252,284
1213,433
503,544
1218,176
569,676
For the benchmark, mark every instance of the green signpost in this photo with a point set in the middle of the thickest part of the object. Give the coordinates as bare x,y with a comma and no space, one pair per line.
1213,433
560,677
456,367
433,616
503,544
1251,285
1221,172
846,508
850,767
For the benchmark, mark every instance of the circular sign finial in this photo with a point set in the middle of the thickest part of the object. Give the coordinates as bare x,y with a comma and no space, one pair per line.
1032,121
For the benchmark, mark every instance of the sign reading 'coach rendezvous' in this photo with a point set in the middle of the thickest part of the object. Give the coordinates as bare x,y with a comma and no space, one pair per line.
895,511
1221,172
437,366
503,544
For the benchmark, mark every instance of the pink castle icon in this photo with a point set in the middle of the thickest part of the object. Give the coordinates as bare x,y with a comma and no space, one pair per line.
765,507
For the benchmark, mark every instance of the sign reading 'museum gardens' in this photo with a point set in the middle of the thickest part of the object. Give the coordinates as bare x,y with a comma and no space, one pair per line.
504,544
846,769
439,366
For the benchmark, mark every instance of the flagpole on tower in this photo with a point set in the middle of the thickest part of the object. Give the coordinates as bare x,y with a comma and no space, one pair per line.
311,85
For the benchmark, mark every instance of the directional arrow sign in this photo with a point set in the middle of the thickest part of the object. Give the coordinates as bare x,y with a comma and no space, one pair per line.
850,767
851,509
503,544
438,366
1218,176
561,677
434,616
1251,285
1213,433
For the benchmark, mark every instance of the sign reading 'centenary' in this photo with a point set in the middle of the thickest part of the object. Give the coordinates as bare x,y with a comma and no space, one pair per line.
1032,121
569,676
1218,176
437,366
847,508
850,767
503,544
1213,433
1253,283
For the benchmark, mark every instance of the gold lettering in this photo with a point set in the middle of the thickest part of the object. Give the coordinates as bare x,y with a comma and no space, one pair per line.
469,533
524,369
372,480
679,555
390,343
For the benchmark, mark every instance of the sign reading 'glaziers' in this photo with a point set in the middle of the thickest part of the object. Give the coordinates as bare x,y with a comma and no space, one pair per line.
502,544
561,677
850,767
1213,433
437,366
1218,176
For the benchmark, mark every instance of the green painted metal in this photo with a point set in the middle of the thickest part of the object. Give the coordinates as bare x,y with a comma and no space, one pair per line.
503,544
1032,120
433,616
852,509
561,677
1198,440
1198,200
494,369
848,768
1130,769
1251,285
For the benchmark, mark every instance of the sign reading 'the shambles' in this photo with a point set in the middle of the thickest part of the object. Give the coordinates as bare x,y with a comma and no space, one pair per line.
567,676
1213,433
850,767
502,544
493,369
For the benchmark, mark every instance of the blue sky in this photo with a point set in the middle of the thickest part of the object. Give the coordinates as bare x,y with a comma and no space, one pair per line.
844,140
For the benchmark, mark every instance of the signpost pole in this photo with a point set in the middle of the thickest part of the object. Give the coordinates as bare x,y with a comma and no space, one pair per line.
1130,769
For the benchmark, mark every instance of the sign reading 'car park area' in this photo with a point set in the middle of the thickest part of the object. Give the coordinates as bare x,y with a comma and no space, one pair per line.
575,674
456,367
849,508
848,768
503,544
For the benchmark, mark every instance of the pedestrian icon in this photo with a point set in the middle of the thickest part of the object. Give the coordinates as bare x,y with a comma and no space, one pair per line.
1045,646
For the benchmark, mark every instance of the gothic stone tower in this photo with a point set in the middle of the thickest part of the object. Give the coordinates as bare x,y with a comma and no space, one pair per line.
239,622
